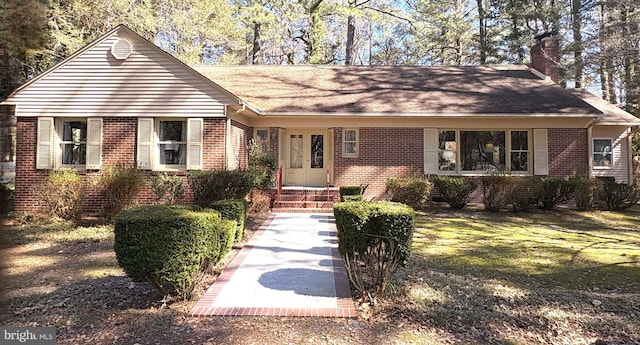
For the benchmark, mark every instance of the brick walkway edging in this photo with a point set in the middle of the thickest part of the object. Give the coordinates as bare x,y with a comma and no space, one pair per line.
345,305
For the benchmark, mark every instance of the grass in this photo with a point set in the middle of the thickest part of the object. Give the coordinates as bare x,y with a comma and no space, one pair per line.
526,278
564,249
473,278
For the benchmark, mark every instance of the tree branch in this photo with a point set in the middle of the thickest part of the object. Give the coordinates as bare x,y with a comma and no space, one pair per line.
391,15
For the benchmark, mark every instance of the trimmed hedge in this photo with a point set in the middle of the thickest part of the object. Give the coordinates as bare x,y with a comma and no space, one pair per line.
210,186
350,193
456,190
527,191
585,191
620,196
233,210
412,191
168,245
376,236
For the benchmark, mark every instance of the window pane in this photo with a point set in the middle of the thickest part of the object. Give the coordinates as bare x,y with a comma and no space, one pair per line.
74,153
262,135
602,156
295,152
74,131
317,148
350,135
482,150
519,140
519,161
173,131
173,154
447,150
350,148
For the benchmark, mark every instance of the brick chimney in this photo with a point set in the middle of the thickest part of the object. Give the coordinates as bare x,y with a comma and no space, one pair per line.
544,56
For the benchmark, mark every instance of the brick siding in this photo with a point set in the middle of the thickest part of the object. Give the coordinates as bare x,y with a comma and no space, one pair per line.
568,151
118,147
240,137
383,153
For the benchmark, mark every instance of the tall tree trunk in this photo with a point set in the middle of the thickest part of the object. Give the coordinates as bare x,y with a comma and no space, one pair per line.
316,34
351,32
256,43
482,24
576,18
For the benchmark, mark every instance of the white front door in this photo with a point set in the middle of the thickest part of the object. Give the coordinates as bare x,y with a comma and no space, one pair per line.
306,164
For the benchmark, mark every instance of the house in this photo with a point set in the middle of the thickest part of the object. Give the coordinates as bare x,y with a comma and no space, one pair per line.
121,99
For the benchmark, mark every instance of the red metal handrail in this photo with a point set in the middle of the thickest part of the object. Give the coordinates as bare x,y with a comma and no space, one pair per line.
279,182
328,182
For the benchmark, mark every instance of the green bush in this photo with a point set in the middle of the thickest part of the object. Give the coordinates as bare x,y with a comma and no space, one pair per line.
167,245
263,166
350,193
620,196
585,191
554,190
167,187
374,239
63,193
233,210
456,190
496,190
526,193
120,185
412,191
210,186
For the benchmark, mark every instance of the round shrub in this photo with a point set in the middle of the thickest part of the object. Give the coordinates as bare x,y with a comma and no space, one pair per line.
456,190
166,245
412,191
233,210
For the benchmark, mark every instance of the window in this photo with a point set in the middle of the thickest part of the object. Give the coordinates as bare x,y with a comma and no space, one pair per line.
73,142
519,151
69,143
460,151
350,143
482,151
261,137
172,142
447,153
602,155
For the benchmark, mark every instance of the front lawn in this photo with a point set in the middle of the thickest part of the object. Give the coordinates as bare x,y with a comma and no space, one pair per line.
541,277
559,277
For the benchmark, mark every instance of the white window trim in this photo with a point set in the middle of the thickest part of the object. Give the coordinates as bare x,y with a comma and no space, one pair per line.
357,143
460,172
267,142
59,152
148,144
157,143
593,152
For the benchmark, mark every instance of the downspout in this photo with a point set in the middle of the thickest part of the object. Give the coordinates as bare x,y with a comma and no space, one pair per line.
227,136
631,172
590,144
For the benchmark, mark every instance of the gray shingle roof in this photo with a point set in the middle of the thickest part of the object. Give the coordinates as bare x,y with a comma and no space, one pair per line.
493,90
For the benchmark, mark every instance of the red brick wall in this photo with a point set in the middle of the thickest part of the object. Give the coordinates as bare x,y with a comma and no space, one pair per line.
240,136
118,147
568,151
383,153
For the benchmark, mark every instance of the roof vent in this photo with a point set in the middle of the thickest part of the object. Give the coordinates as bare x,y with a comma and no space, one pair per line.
121,49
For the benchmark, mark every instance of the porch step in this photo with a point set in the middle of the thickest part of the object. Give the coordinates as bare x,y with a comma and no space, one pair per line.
306,200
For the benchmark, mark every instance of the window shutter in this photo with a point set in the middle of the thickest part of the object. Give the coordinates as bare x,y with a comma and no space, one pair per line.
44,146
94,143
430,151
541,152
194,143
145,143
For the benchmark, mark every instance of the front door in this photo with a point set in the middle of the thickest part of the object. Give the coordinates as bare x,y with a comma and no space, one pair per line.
306,164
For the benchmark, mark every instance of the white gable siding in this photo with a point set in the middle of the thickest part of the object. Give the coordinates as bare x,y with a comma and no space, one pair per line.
620,150
147,83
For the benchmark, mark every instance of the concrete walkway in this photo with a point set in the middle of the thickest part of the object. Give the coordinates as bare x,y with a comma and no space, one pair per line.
290,267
